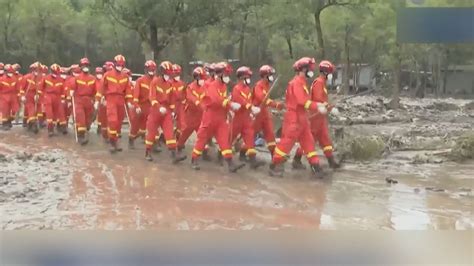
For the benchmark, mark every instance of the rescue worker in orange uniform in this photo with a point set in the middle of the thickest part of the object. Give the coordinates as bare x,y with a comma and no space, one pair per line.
214,119
82,94
161,99
296,127
141,101
70,82
130,113
242,123
2,69
319,122
19,81
114,89
8,96
263,121
179,88
194,107
29,95
41,114
102,111
52,95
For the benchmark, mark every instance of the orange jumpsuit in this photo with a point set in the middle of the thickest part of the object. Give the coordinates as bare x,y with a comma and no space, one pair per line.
179,88
8,97
296,126
214,120
193,110
263,121
242,122
68,84
114,88
141,93
84,92
319,122
52,94
161,95
29,88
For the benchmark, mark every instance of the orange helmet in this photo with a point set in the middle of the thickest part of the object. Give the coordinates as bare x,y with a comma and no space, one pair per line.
75,68
84,62
244,72
326,67
99,70
9,68
177,69
64,70
35,66
150,65
199,73
55,69
108,65
266,70
304,63
166,68
17,67
119,60
223,68
2,65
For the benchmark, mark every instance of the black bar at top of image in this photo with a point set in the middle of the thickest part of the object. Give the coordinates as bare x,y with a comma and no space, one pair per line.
435,25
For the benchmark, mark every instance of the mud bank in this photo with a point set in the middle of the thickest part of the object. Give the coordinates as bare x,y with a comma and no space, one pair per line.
56,184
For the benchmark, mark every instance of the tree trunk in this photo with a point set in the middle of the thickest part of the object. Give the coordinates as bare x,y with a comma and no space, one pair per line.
395,102
242,38
347,66
319,34
153,40
445,73
290,46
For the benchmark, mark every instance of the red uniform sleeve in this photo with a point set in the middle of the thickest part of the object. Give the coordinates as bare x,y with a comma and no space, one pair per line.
191,98
136,90
101,88
302,96
238,95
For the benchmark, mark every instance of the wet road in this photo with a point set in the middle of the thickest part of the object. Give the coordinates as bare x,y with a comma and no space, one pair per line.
65,186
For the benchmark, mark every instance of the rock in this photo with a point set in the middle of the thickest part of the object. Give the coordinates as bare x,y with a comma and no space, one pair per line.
391,180
434,189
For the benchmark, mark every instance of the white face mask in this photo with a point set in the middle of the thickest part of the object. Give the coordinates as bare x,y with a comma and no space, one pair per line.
330,77
63,76
151,73
10,74
200,82
247,81
130,79
166,77
54,75
74,74
35,73
309,74
271,78
225,79
85,69
99,76
119,68
177,78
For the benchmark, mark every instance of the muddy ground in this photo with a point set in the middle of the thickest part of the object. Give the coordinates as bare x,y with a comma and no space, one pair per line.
56,184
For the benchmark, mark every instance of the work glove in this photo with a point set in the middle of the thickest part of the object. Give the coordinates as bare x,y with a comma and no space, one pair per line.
255,110
235,106
69,104
129,105
322,108
36,97
103,101
138,110
23,99
71,93
63,101
162,110
335,111
96,105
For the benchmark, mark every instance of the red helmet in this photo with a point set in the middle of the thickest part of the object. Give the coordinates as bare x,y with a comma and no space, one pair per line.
9,68
75,68
64,70
84,62
17,67
326,67
304,63
223,68
44,69
166,68
119,60
108,65
177,69
99,70
2,65
127,71
150,65
266,70
199,73
244,72
35,66
55,69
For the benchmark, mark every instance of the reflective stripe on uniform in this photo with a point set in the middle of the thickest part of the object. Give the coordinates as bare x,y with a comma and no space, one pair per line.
171,141
225,102
280,152
148,142
112,80
251,151
311,154
327,148
197,152
307,104
270,144
226,152
81,129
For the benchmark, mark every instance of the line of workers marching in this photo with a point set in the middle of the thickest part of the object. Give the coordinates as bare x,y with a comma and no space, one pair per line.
161,100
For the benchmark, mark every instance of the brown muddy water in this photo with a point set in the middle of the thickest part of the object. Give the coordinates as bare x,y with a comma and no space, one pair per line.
53,183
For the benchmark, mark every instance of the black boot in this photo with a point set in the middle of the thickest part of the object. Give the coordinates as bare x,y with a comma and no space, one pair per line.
34,127
178,156
131,143
276,170
99,130
25,122
157,147
82,139
205,156
332,163
297,164
195,164
10,123
42,124
113,146
148,156
254,163
317,171
50,131
220,158
233,168
243,155
63,129
5,126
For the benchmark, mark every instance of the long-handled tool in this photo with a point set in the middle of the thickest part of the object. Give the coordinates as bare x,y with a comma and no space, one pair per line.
74,117
269,91
126,112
